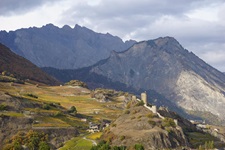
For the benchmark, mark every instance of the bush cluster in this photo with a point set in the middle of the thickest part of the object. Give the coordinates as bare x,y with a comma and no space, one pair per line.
3,107
32,140
77,83
32,95
140,103
168,122
72,110
103,145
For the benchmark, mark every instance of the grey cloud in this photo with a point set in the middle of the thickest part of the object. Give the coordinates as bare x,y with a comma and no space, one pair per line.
11,7
128,15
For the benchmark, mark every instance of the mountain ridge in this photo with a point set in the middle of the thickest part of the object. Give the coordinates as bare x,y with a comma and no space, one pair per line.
21,68
64,48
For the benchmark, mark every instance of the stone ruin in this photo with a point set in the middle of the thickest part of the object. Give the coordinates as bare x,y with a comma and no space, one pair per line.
144,98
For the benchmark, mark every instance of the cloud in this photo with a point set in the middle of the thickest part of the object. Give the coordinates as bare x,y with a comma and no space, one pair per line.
13,7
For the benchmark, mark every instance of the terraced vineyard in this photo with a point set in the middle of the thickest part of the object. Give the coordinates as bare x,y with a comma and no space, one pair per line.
48,108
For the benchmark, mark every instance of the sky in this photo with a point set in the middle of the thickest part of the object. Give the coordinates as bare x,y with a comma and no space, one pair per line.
198,25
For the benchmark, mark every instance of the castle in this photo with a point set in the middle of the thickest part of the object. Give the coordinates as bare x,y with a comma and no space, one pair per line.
153,108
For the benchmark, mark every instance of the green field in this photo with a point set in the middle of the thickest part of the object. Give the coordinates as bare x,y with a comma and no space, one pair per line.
95,136
77,144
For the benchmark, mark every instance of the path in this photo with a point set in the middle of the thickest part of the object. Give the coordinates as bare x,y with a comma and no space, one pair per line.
93,141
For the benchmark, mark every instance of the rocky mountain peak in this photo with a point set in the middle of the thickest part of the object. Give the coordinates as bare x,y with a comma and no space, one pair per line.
168,44
64,48
66,27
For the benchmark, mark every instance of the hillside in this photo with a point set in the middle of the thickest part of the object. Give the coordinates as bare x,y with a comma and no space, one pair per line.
44,112
17,66
164,129
164,69
65,48
27,108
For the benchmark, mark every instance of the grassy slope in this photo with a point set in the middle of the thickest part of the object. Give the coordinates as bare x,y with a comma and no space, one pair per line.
77,144
22,68
67,96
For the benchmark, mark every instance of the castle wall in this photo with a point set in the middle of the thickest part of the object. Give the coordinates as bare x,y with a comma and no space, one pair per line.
144,98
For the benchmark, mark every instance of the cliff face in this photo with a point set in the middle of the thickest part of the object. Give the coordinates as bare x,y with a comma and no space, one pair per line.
140,126
65,48
164,66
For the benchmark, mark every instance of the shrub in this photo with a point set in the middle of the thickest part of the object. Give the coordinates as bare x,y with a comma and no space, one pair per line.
17,146
128,105
134,112
114,125
3,107
150,115
168,122
122,138
43,146
139,147
126,112
32,95
46,106
168,130
77,83
58,114
152,122
140,103
139,117
72,110
33,140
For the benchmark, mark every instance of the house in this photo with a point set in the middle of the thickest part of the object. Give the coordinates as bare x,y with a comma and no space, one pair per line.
98,127
93,128
83,119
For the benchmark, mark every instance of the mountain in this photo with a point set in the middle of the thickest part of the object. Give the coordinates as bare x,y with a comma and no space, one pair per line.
65,48
21,68
164,67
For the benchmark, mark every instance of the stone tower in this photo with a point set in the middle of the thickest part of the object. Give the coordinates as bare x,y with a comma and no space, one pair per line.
134,98
154,109
144,97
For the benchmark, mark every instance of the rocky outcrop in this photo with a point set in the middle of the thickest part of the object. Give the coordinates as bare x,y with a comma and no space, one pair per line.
65,48
139,126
